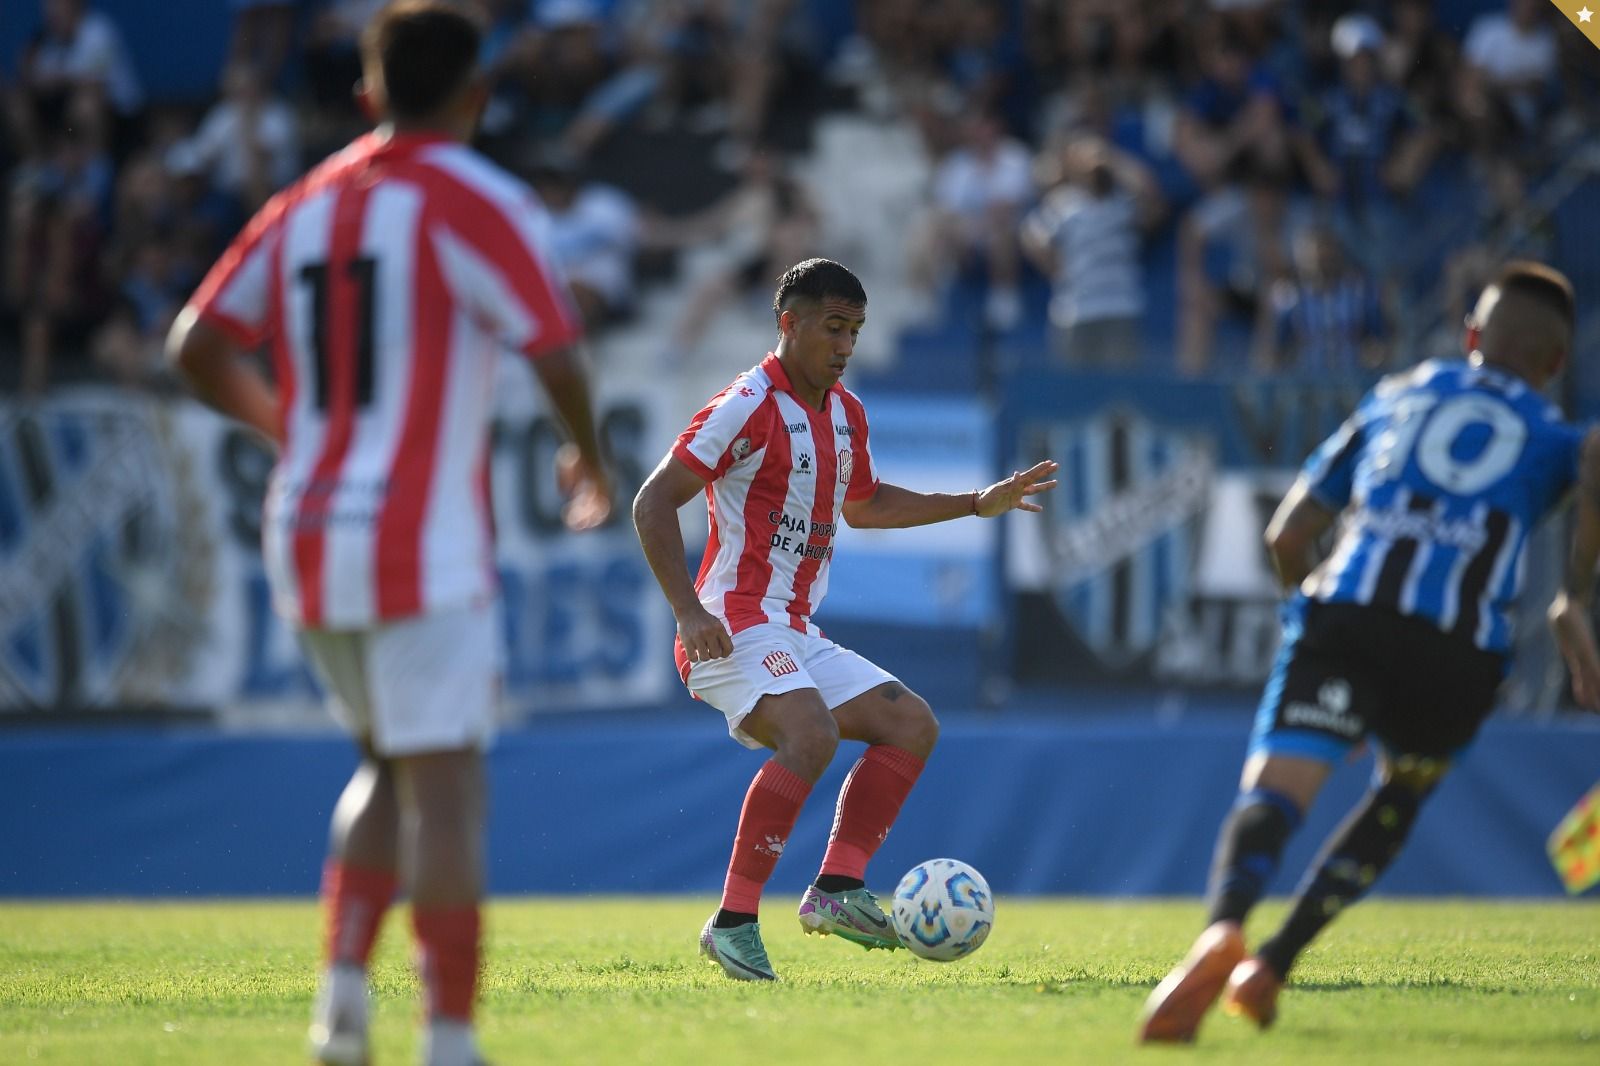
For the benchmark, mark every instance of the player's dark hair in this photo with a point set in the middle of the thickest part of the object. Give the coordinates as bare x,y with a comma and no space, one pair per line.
1540,284
816,280
426,49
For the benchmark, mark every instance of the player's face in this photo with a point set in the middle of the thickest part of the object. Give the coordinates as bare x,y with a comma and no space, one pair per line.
822,337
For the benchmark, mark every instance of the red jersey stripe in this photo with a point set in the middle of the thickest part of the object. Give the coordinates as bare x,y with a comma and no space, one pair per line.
768,492
481,221
398,560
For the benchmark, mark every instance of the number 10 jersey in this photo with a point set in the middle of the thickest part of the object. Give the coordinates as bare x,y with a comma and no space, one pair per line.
1441,474
384,284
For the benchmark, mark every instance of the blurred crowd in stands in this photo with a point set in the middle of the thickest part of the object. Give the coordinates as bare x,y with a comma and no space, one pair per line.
1196,186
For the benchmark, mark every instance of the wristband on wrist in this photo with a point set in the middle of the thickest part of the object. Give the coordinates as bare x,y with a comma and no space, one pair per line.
974,501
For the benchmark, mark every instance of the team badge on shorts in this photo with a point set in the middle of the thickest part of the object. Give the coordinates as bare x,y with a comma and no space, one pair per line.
779,663
847,463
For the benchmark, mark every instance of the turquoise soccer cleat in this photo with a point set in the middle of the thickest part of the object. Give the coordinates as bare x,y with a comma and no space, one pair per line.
853,914
738,951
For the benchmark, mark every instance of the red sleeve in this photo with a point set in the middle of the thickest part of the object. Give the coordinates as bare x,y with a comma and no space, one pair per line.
864,472
725,431
236,294
504,270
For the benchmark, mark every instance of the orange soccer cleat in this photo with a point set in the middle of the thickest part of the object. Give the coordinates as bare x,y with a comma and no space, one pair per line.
1252,992
1174,1010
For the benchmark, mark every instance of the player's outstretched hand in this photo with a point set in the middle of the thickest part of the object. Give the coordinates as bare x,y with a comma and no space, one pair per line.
703,634
1011,494
588,490
1574,633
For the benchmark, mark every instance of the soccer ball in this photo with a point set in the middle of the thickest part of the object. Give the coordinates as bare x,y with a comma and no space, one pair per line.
943,910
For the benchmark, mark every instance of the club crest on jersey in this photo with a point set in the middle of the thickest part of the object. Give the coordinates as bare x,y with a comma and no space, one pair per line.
847,465
779,663
740,450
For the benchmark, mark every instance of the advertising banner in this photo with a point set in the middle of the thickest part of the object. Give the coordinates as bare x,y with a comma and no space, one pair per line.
1150,554
130,570
941,575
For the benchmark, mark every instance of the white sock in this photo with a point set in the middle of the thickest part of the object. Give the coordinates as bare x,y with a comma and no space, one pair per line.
449,1043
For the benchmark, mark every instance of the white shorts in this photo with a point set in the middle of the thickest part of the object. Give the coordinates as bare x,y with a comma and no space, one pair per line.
770,659
418,685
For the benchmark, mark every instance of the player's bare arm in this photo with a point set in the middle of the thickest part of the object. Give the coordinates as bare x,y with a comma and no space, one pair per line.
580,469
1292,535
209,361
655,515
893,507
1569,612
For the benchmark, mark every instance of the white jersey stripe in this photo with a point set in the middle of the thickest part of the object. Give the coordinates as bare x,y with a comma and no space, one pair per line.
307,233
454,524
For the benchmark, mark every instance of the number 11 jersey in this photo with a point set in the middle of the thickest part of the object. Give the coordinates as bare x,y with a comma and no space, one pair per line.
1441,474
384,284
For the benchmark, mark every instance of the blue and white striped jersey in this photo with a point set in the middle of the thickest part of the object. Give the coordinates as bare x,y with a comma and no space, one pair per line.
1441,473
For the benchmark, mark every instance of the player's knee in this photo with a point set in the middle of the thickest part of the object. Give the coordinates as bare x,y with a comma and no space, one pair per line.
808,744
1417,774
1396,804
921,727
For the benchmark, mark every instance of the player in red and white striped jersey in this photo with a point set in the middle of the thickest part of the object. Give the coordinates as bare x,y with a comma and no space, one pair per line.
384,284
782,454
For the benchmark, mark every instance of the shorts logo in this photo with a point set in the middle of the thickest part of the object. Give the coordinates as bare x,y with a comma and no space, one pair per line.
1329,713
847,465
1335,695
779,663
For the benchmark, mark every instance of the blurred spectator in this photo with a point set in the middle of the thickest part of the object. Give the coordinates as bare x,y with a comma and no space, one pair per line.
594,235
563,81
332,57
746,239
1233,118
154,284
262,30
248,144
1508,77
689,49
1327,319
1085,237
78,52
58,200
1231,246
1421,58
979,193
986,63
1361,146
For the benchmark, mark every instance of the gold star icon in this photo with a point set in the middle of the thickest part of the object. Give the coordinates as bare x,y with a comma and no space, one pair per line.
1584,14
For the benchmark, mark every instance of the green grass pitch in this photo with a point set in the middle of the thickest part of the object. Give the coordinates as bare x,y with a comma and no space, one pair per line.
618,981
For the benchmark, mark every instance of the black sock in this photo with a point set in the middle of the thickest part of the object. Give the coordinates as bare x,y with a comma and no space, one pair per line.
729,919
838,883
1351,860
1248,849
